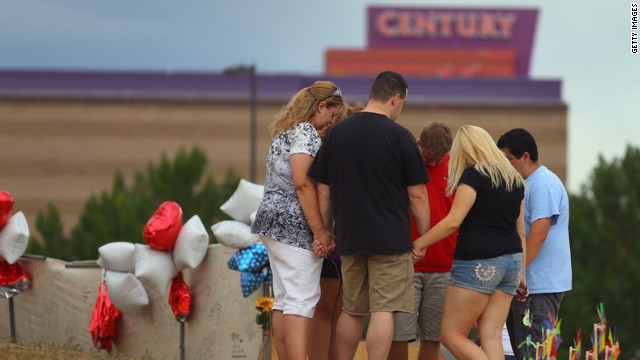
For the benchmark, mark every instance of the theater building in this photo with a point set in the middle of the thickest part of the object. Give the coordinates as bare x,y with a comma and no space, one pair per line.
64,134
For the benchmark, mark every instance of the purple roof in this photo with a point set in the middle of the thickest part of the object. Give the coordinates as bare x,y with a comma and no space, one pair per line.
218,86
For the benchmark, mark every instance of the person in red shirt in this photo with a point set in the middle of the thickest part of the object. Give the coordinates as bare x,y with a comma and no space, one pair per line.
431,272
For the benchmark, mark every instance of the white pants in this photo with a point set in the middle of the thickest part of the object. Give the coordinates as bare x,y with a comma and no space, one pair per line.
296,278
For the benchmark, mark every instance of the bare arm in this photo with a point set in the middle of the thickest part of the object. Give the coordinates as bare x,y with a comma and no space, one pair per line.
523,235
462,203
324,199
308,196
419,204
326,212
537,235
522,291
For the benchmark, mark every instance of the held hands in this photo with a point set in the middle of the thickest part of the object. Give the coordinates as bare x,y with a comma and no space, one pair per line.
323,243
522,292
418,254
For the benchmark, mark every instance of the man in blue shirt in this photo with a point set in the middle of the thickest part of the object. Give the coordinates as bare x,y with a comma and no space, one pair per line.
548,256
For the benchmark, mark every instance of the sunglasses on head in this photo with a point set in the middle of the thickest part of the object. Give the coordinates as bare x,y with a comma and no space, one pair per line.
336,93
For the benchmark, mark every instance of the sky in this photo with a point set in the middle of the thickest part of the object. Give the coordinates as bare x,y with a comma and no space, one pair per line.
586,44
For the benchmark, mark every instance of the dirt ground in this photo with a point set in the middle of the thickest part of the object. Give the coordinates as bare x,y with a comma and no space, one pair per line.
17,351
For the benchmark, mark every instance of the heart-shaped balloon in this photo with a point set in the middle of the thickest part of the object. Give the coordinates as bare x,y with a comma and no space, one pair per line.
6,204
161,231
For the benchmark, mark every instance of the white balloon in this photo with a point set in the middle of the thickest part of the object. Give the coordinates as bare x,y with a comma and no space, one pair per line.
191,245
117,256
14,238
154,266
233,234
244,201
126,292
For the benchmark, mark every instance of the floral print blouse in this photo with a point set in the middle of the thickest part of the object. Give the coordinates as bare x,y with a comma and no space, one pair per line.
280,215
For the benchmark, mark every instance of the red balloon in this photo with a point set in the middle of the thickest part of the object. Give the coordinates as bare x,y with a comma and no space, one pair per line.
180,298
13,279
11,273
161,231
103,320
6,204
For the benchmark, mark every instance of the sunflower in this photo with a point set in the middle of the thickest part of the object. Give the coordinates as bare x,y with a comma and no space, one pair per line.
264,304
263,318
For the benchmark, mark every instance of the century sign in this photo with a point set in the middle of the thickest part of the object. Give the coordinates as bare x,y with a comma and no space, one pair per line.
446,24
455,28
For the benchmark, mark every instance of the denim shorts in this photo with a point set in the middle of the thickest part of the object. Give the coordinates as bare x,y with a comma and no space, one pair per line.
487,275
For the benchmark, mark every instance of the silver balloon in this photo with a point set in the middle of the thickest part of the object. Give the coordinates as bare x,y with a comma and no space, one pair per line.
11,290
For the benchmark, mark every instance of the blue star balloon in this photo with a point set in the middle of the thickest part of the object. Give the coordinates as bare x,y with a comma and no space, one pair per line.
251,281
251,259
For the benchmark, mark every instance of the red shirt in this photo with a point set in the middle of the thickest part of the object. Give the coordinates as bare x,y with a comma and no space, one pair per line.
439,255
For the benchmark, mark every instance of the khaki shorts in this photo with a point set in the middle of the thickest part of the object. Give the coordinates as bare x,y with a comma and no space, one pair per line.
377,283
429,291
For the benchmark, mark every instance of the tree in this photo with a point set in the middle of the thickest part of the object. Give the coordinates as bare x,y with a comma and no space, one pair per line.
121,214
604,227
49,222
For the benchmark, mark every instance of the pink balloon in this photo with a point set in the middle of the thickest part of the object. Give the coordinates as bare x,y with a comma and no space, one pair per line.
161,231
6,204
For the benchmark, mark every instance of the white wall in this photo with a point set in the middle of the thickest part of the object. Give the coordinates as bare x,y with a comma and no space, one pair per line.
57,309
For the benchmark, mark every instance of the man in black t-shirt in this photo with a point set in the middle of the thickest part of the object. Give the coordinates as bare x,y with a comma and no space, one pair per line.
370,175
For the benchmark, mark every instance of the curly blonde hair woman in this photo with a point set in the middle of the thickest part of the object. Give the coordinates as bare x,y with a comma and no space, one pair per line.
304,105
488,261
288,218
